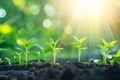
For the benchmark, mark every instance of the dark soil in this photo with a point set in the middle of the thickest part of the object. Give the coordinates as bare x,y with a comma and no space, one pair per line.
63,71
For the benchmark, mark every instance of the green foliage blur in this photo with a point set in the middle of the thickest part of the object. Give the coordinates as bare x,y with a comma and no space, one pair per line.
26,19
35,20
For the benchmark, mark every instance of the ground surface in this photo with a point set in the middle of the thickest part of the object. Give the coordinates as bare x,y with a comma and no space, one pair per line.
61,71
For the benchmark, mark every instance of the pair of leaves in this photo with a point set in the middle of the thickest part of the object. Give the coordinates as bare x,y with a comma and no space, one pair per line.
26,43
109,44
53,43
81,40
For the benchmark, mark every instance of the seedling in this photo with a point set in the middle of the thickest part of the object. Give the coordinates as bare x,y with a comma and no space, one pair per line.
26,45
53,45
116,58
107,48
19,57
78,45
1,61
8,60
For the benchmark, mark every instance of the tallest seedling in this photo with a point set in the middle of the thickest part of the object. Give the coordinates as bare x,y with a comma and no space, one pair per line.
106,48
78,45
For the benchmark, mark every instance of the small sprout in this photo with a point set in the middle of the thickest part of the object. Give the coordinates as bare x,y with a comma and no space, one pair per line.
116,58
53,45
26,44
118,53
8,60
19,57
1,61
78,45
107,48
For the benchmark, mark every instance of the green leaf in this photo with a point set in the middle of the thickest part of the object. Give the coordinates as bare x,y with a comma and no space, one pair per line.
82,40
75,38
57,41
102,47
101,62
112,42
30,44
118,54
56,50
1,60
105,42
51,43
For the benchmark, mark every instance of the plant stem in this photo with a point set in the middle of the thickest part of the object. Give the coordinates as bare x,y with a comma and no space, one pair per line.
104,58
26,56
19,58
79,54
9,62
38,57
54,57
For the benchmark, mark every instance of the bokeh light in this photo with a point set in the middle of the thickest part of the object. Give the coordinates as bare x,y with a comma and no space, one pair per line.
5,29
2,13
49,10
47,23
34,9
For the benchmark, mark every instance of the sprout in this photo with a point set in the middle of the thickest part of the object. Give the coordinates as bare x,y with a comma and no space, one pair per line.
1,60
106,48
116,58
19,57
53,45
78,45
8,60
26,45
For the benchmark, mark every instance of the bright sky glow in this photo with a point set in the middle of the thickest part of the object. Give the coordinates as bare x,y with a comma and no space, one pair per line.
93,18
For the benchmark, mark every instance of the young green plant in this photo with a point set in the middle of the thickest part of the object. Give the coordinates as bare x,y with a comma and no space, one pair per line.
8,60
53,46
26,44
116,58
106,48
1,60
78,45
19,57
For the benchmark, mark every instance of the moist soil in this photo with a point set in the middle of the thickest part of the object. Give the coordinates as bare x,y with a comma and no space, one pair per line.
59,71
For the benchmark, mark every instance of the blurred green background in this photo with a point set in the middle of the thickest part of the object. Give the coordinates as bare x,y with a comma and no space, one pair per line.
40,20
